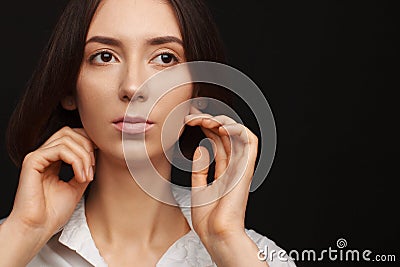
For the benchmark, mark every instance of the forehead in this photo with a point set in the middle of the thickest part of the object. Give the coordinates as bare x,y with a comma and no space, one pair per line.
134,19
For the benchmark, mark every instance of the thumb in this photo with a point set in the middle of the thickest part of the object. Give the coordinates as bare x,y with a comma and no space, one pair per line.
201,161
79,188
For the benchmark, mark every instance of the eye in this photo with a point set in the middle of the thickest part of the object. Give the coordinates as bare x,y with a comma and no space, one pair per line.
165,59
102,58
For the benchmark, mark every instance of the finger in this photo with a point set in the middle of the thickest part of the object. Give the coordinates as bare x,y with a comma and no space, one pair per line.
78,135
86,157
243,153
244,142
219,120
220,153
50,155
222,144
201,160
196,119
60,133
79,187
83,139
199,120
214,123
82,132
194,110
247,143
240,131
208,121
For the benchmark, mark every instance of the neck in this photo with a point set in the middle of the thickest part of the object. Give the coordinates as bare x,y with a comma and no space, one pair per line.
118,211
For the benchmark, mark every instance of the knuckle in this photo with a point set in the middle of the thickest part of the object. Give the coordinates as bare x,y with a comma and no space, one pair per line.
62,147
31,159
75,159
227,119
84,141
28,157
220,119
65,129
86,156
88,145
75,162
204,116
254,140
67,139
224,117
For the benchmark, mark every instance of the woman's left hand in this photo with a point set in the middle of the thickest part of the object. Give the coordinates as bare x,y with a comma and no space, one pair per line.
218,210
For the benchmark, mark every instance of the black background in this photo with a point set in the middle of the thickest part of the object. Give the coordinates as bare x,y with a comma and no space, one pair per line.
327,69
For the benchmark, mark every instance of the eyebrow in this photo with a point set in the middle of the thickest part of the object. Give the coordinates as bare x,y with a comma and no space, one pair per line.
164,40
152,41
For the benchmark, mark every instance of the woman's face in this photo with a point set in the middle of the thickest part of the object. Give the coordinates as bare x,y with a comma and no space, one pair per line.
127,42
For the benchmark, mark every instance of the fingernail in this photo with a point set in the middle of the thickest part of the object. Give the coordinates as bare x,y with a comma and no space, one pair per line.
91,174
93,158
84,175
224,129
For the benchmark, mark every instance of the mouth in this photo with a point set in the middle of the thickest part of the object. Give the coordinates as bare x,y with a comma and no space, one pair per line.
132,125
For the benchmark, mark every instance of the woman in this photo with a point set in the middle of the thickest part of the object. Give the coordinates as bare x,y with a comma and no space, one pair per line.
99,55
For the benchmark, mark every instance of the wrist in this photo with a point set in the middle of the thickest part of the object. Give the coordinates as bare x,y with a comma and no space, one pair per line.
18,243
233,249
228,234
34,236
222,237
222,244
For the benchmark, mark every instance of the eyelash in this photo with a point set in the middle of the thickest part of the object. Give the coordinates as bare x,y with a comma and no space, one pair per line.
92,57
174,57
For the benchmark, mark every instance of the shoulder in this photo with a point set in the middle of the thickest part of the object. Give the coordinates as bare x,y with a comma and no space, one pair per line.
189,251
56,254
270,251
53,253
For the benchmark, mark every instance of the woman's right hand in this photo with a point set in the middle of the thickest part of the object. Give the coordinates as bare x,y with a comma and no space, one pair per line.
43,202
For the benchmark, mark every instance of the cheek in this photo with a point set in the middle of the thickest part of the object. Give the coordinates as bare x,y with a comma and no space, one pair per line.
175,98
94,91
173,107
93,98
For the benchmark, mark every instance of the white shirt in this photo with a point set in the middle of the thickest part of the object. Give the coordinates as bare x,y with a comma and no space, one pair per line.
74,246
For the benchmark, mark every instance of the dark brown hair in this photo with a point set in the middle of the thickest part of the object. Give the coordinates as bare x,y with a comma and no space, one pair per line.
39,113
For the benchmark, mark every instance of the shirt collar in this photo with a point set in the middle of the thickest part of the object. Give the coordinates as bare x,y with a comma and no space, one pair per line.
76,234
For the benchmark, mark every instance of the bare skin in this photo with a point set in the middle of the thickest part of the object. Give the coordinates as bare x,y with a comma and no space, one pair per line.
128,226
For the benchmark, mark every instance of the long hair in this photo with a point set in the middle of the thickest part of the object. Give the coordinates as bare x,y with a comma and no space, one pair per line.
39,113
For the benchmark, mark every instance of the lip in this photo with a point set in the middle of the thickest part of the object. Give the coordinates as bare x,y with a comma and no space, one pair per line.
132,124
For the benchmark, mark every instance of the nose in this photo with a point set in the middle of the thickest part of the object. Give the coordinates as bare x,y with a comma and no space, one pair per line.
132,79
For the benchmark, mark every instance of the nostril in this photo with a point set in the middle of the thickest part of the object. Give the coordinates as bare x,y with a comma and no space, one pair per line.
140,98
126,98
